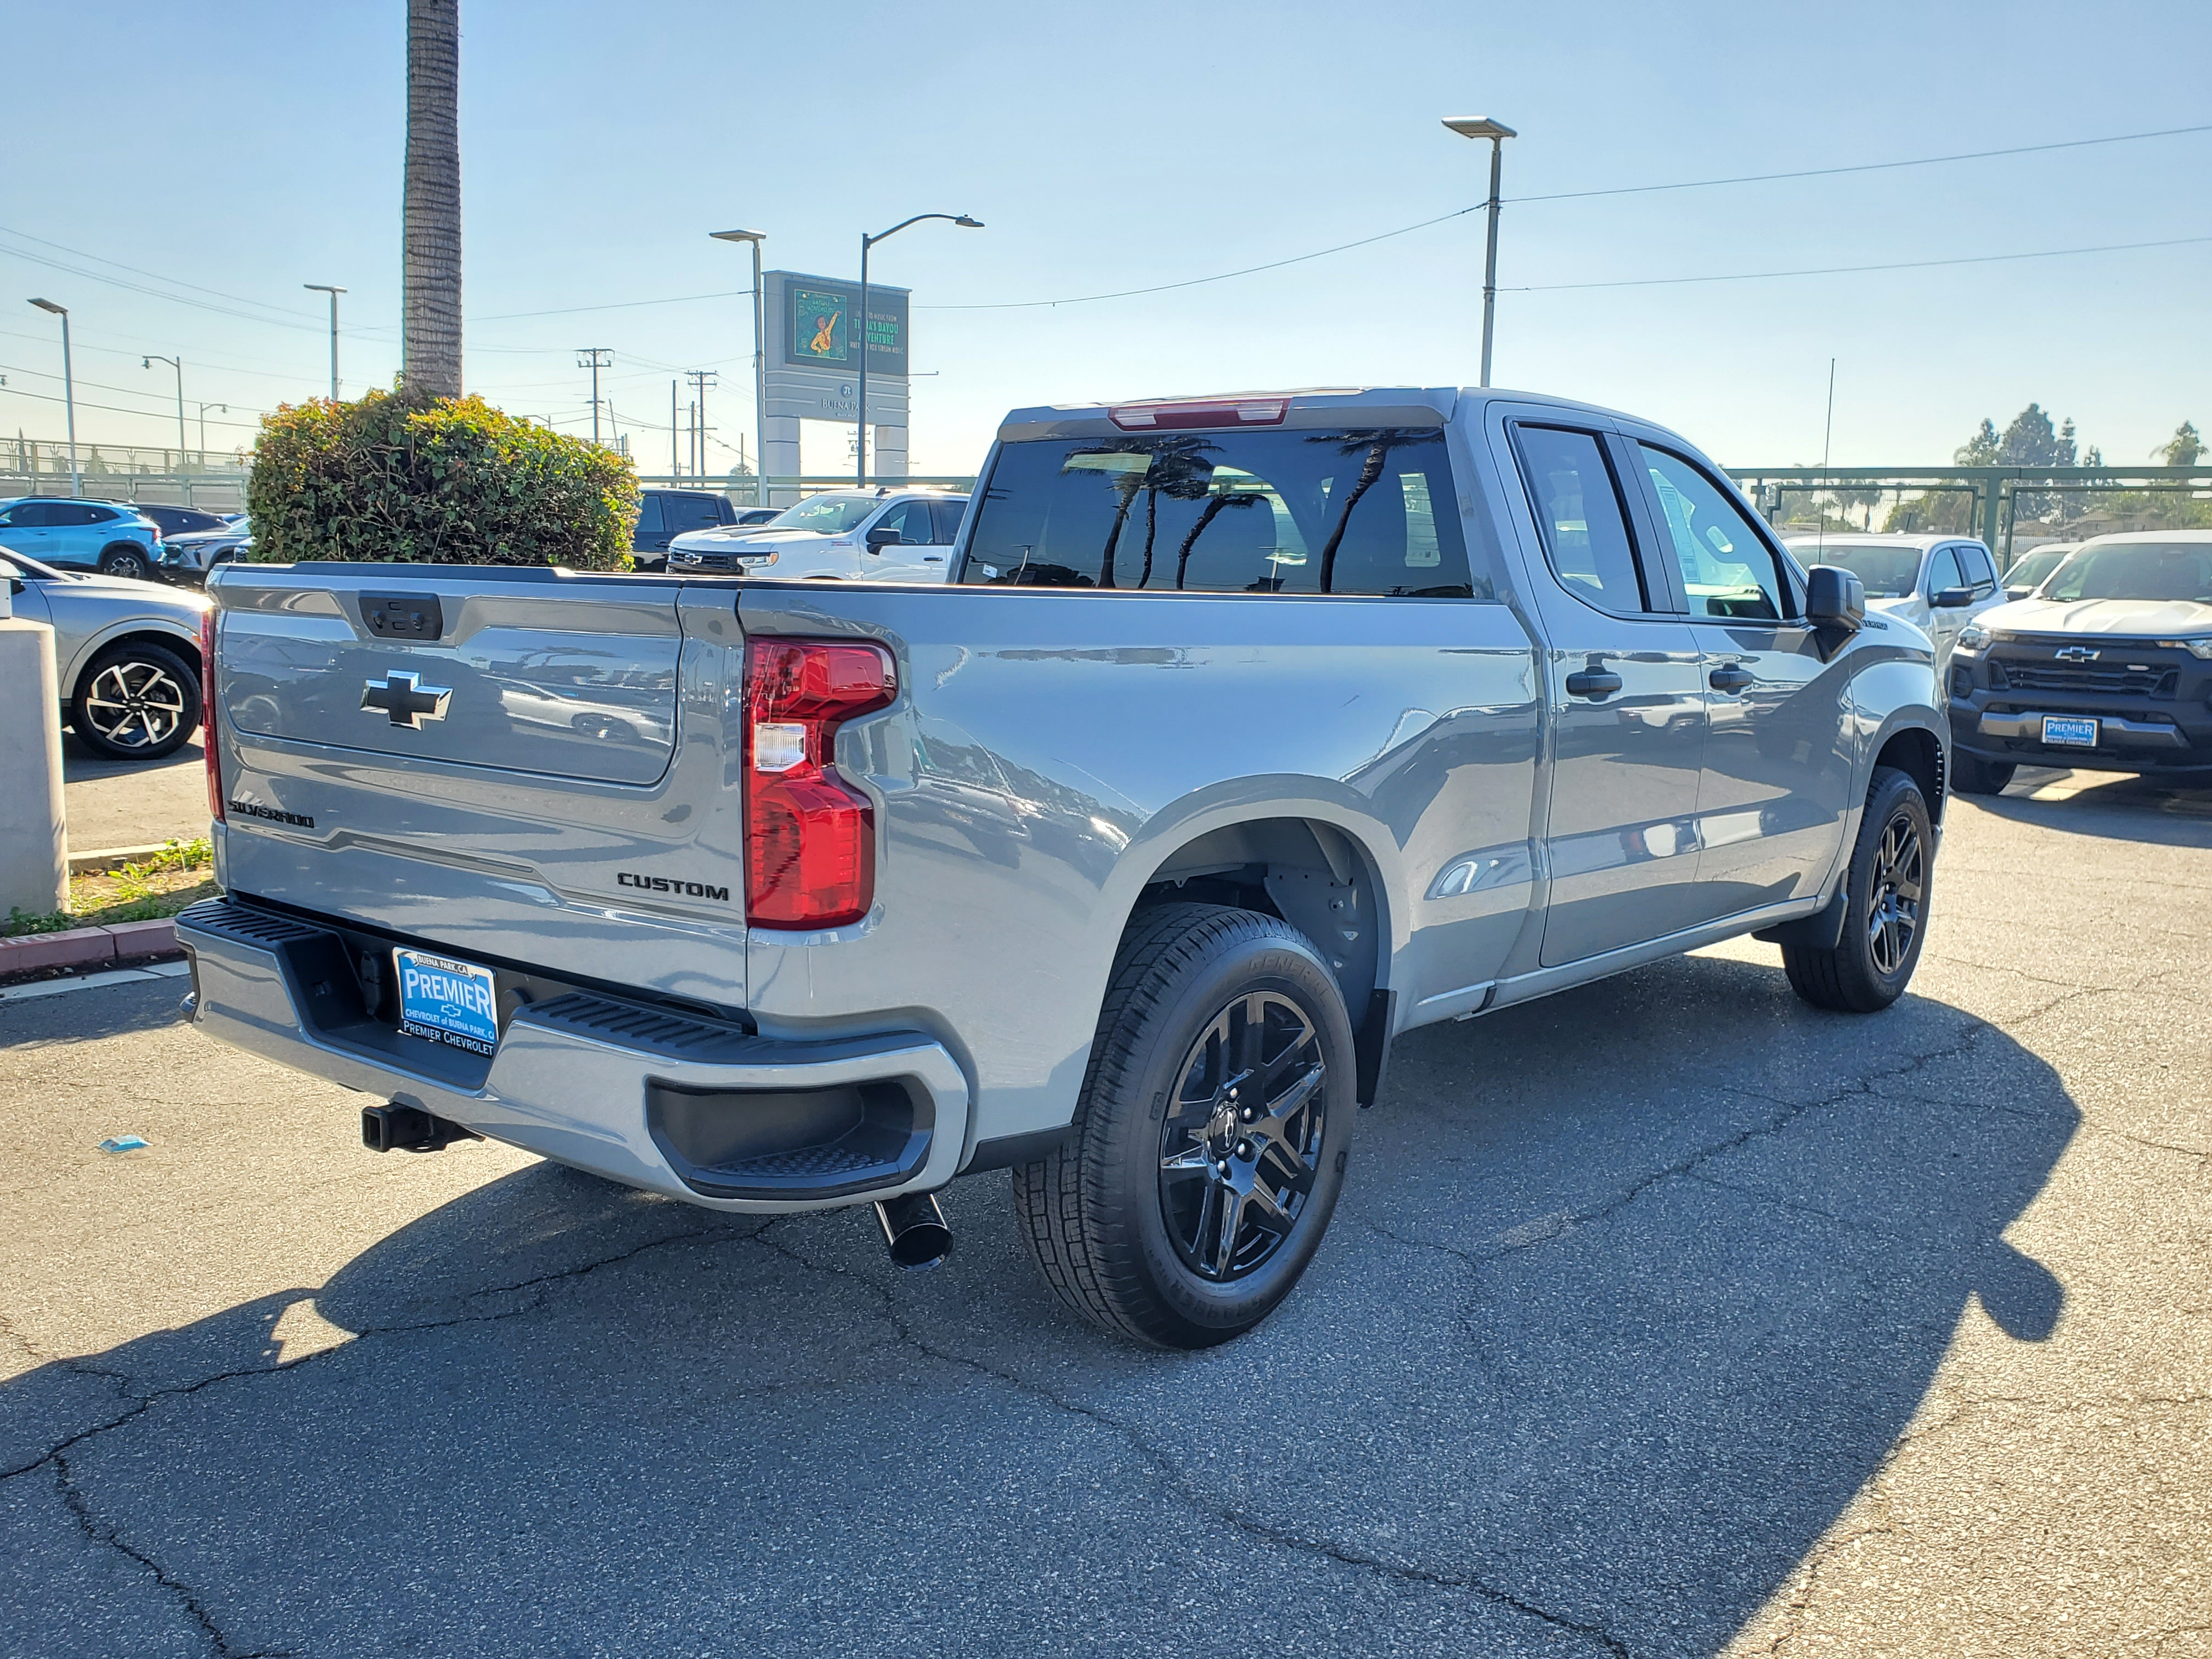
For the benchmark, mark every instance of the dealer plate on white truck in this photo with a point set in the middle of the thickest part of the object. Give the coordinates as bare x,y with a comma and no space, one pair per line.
442,1000
2070,731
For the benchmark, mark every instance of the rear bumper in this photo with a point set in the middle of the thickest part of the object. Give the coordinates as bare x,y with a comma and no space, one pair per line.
693,1109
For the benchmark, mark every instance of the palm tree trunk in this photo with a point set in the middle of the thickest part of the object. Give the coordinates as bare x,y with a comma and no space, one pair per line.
430,323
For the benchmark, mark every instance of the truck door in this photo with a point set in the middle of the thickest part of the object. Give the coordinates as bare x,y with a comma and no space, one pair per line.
1624,677
902,559
1777,760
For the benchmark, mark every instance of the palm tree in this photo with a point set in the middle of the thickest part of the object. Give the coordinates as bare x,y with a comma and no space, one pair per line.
430,320
1377,441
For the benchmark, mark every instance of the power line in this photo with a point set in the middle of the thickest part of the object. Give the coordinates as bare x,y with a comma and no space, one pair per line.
1840,270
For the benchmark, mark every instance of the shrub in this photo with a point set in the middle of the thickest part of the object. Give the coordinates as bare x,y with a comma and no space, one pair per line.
453,482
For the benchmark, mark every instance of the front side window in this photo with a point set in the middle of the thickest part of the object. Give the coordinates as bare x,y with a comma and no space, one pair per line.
1981,574
1943,571
1358,510
1727,570
32,515
833,514
1577,507
2136,570
911,520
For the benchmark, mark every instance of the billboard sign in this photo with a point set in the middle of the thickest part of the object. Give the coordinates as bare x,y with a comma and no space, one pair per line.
817,325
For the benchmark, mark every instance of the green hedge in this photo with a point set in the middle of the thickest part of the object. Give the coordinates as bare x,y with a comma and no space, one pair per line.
453,482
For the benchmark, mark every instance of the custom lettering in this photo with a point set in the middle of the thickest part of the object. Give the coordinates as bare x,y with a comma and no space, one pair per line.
666,884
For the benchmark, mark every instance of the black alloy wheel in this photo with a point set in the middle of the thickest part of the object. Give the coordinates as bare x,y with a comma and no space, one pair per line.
125,560
135,702
1239,1149
1211,1134
1887,891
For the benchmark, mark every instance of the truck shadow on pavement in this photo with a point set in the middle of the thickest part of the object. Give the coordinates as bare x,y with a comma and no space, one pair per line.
1631,1290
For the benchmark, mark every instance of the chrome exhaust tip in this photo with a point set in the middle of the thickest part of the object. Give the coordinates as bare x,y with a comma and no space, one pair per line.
915,1231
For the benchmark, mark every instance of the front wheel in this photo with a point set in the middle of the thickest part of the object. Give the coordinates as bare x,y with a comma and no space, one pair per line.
1980,777
1886,906
1210,1135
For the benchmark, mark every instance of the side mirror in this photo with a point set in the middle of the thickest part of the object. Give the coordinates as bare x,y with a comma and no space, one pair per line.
1835,601
1954,599
884,535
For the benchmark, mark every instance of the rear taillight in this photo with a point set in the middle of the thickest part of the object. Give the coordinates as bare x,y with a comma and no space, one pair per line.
810,837
207,713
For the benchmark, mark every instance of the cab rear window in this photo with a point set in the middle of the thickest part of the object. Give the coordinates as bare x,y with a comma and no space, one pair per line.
1369,511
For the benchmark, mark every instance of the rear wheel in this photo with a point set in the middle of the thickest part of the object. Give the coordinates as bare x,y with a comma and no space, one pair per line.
1970,776
1210,1136
1886,906
125,559
135,702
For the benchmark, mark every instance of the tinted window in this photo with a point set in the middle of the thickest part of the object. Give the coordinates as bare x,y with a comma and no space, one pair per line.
911,520
1367,510
648,514
680,513
31,515
947,515
1727,570
1974,560
1886,572
87,515
1577,507
1943,571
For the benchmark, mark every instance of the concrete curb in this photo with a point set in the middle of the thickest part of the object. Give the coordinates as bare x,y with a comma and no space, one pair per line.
113,858
87,947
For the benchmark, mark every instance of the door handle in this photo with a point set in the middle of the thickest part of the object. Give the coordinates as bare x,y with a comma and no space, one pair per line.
1593,683
1730,677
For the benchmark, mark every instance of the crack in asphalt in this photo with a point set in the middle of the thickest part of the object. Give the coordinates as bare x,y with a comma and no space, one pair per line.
74,1501
1168,1477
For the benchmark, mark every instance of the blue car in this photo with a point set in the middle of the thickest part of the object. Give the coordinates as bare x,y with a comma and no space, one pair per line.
109,536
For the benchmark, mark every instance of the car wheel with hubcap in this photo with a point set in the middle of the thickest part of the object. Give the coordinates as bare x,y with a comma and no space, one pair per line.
135,702
1210,1136
127,560
1886,906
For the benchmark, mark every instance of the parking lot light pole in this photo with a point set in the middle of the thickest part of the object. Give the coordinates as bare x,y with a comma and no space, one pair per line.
68,392
1481,126
760,359
324,288
868,242
225,408
177,364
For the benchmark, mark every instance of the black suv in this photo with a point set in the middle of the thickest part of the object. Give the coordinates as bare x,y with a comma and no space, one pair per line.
664,514
2108,668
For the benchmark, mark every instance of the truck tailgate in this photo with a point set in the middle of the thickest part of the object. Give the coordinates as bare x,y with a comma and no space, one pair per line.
525,765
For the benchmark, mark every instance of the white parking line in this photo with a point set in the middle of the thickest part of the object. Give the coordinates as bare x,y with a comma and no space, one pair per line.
54,987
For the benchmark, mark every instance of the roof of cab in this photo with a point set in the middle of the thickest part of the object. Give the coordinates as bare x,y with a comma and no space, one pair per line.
1305,406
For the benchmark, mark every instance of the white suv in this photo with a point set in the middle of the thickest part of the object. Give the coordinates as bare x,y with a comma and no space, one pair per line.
886,535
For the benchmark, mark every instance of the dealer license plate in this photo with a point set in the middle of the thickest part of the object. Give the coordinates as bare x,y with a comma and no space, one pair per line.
2069,731
442,1000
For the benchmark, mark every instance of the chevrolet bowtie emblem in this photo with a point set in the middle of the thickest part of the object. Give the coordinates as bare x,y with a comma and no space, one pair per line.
2076,653
406,699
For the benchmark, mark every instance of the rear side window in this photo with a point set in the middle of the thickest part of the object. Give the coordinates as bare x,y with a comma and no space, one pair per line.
1578,510
947,515
1356,510
681,512
1981,574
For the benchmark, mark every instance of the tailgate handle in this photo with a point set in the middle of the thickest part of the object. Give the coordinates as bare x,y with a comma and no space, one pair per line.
403,615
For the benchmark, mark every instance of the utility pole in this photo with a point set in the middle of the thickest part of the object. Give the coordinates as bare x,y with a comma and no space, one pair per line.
675,457
595,358
700,378
324,288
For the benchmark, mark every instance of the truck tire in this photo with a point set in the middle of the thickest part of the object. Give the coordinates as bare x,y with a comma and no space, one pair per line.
1180,1213
135,702
1885,906
1970,776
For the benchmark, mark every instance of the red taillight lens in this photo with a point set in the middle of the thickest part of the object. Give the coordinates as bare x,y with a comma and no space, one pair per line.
811,838
207,715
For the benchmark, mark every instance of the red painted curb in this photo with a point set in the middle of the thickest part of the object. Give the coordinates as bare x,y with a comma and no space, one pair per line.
87,947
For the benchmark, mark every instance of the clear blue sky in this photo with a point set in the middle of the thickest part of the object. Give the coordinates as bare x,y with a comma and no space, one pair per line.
249,147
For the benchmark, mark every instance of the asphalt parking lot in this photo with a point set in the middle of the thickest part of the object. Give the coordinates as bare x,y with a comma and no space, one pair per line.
1666,1318
132,803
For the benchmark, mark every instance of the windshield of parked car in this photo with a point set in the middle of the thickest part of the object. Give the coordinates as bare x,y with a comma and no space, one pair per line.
33,568
2030,568
1887,573
1367,510
2136,570
830,515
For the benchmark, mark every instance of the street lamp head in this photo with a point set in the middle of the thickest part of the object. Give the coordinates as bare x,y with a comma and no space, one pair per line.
738,235
48,305
971,224
322,288
1479,126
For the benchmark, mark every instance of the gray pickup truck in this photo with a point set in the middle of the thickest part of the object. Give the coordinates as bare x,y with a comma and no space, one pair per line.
1248,733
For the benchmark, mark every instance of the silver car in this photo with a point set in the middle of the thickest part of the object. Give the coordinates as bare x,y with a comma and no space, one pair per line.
1937,583
128,654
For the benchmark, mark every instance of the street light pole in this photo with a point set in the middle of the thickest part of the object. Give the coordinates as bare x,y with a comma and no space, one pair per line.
225,408
1481,126
868,242
177,364
324,288
760,359
69,394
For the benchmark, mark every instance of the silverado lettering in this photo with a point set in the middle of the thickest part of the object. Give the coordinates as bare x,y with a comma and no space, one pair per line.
247,809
